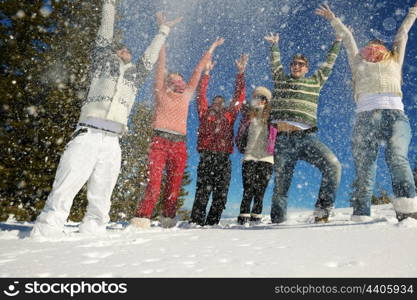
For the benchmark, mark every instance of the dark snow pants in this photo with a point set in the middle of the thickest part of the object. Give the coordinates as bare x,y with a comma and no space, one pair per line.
255,175
213,178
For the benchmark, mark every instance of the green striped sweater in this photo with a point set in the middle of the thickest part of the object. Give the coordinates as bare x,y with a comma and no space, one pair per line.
297,99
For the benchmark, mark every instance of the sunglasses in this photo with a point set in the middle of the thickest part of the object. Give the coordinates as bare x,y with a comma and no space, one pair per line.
261,97
298,63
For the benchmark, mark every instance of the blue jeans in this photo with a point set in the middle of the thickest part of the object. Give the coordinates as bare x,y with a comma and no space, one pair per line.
288,150
372,128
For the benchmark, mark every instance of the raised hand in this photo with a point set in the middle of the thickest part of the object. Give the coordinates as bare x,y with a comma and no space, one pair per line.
208,67
325,11
273,39
161,20
173,22
219,41
242,62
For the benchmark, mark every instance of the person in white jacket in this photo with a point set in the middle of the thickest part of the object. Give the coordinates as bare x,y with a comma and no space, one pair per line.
94,154
380,117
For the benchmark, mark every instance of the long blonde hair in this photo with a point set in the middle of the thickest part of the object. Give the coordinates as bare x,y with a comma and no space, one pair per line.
256,113
391,54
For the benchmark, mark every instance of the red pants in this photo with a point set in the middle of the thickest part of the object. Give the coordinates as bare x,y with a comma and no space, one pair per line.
163,153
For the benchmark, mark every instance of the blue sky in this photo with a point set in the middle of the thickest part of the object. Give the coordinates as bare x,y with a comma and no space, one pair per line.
244,23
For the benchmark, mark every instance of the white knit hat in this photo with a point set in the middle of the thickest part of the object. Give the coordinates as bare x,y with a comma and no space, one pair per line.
263,91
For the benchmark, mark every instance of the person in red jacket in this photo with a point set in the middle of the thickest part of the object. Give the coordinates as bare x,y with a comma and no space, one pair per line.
215,144
168,147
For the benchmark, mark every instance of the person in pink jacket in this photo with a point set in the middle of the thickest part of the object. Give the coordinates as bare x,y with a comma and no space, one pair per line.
168,147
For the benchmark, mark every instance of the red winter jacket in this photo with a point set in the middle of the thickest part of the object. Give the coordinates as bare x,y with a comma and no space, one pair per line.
215,133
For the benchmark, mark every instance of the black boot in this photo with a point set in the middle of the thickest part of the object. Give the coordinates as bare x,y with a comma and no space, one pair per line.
321,215
402,216
255,219
243,219
319,220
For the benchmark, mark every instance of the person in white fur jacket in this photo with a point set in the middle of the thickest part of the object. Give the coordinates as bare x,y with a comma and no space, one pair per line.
93,154
380,117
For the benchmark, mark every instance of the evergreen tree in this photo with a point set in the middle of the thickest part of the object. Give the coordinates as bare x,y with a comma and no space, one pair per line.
132,180
182,213
382,199
415,176
44,68
44,77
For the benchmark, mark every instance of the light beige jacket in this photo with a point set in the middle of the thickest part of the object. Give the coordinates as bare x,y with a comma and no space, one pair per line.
381,77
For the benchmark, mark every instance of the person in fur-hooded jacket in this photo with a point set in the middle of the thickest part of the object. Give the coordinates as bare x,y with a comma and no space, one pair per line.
252,140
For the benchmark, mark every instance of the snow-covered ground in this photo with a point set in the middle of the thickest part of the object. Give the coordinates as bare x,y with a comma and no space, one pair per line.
380,248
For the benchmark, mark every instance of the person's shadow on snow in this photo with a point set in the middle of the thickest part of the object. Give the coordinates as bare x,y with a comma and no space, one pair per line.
23,230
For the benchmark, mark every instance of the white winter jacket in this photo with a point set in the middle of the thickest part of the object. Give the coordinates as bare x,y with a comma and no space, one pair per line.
114,84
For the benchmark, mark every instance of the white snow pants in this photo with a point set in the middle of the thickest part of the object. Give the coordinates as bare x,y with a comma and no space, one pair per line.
92,156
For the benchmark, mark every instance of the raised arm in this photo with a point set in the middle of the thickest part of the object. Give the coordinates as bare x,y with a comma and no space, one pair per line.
159,80
401,37
152,52
192,84
240,88
106,29
276,65
341,30
324,71
202,103
147,61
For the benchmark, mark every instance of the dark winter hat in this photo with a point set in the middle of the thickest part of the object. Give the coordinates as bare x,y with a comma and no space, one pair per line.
300,56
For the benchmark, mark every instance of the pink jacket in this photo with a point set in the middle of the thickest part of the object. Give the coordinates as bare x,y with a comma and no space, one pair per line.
172,108
271,139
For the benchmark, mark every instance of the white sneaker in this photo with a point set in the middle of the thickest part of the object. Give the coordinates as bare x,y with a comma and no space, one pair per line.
140,223
360,218
167,222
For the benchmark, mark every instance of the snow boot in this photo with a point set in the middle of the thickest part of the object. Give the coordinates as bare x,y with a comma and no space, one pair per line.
255,219
140,223
403,216
319,220
360,218
91,227
42,231
242,219
321,215
167,222
405,208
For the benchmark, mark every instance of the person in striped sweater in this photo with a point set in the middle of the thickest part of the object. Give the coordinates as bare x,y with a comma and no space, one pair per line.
294,114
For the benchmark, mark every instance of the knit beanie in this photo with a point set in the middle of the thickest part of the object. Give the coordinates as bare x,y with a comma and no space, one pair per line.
263,91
